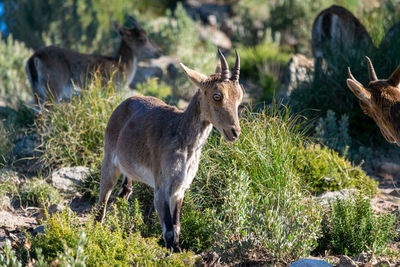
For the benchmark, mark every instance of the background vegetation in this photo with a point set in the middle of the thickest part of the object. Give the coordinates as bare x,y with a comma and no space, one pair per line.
253,201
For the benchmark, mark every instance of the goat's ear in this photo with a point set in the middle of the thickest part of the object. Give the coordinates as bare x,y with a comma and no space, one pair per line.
394,79
360,92
196,77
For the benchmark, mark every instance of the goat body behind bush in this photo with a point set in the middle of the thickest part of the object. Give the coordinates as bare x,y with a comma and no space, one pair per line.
54,71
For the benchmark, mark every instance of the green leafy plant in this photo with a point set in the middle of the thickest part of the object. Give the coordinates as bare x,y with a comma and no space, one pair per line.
73,132
262,64
178,36
333,133
351,227
8,257
152,87
117,242
323,169
14,86
37,192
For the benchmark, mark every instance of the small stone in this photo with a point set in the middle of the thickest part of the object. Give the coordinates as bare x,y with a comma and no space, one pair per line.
5,203
362,257
65,178
391,168
328,197
39,229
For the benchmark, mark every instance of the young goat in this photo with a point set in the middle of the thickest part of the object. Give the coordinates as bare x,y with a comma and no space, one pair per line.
159,145
381,101
54,71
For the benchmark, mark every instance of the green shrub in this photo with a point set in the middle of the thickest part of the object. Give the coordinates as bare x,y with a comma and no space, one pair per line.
8,257
152,87
116,243
14,85
334,134
262,64
323,169
178,36
351,227
74,131
253,189
6,142
37,192
198,227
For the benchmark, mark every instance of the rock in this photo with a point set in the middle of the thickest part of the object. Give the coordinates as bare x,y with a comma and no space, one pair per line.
328,197
395,193
211,14
310,263
51,210
38,230
158,67
65,178
298,70
391,168
362,257
25,147
5,203
346,261
12,221
217,37
145,73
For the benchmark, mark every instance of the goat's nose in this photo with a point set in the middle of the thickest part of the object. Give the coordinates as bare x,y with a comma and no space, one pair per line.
235,133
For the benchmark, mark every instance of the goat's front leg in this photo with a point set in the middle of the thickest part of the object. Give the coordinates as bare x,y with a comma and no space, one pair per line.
175,206
162,204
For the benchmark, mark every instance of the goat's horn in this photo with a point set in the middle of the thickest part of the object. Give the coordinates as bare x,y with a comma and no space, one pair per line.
134,22
352,77
236,69
371,71
224,67
394,79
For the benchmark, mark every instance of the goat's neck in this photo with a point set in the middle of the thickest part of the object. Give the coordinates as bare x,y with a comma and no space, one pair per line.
128,58
193,127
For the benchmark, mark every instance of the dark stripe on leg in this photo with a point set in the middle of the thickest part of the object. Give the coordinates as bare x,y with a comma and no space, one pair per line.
169,228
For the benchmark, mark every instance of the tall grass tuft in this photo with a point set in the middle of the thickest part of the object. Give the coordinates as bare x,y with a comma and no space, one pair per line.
254,191
73,132
14,85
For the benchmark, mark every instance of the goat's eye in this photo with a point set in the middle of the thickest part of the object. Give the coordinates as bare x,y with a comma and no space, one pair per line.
217,97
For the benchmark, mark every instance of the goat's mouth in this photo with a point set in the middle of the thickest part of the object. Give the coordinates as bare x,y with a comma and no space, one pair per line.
228,137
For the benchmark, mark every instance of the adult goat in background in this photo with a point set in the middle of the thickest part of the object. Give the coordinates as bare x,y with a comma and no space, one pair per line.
53,71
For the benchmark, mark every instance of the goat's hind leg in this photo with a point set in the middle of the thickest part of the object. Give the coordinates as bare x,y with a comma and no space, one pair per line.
109,177
126,188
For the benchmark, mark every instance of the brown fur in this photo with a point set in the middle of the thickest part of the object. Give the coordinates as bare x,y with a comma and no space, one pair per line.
381,101
336,26
159,145
53,71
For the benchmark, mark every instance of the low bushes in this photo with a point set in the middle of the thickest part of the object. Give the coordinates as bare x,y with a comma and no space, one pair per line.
351,226
116,243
